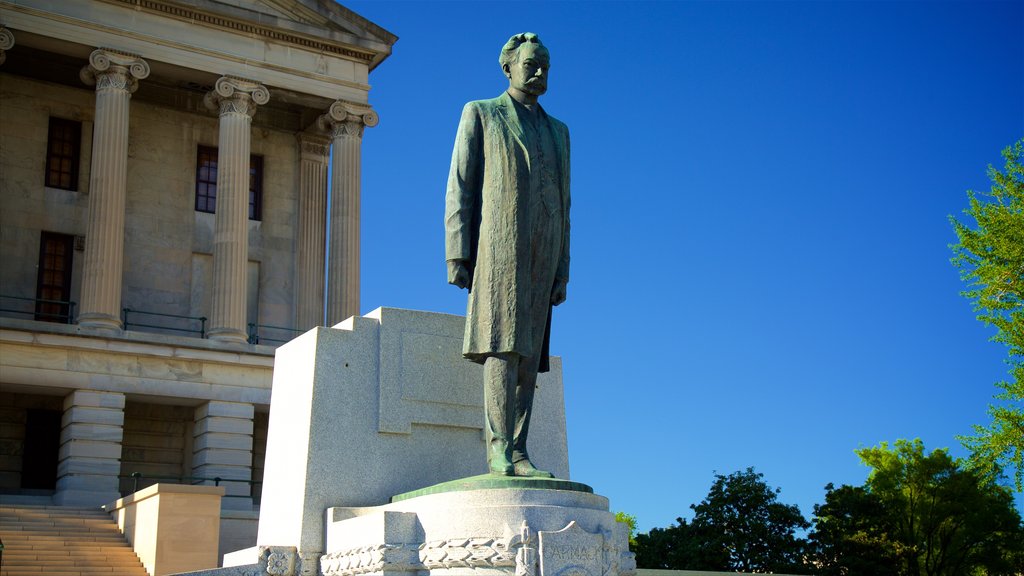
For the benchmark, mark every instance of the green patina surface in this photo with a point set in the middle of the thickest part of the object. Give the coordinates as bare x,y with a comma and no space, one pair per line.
492,481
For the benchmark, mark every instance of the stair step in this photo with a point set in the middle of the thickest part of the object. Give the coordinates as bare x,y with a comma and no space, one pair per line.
57,541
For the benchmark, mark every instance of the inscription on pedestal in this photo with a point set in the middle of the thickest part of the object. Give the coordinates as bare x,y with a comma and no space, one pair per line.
571,551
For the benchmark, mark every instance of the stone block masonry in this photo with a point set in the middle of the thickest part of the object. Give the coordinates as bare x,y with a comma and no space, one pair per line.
90,452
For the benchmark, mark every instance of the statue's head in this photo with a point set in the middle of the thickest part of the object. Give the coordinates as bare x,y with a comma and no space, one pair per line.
525,62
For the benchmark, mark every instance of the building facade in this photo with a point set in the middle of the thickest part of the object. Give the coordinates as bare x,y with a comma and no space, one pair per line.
163,226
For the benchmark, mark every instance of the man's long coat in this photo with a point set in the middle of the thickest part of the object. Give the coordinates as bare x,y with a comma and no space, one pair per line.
487,223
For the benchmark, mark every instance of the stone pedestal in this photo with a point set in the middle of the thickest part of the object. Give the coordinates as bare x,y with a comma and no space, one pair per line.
512,530
519,529
376,465
380,405
222,448
90,451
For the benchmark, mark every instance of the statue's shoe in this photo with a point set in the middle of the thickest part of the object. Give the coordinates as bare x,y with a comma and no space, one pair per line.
525,468
499,462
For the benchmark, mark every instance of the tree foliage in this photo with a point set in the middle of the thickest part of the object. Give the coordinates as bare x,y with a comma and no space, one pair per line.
628,520
918,515
739,526
852,534
990,258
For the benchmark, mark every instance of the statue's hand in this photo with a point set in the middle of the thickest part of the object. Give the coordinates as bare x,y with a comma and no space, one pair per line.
558,292
459,273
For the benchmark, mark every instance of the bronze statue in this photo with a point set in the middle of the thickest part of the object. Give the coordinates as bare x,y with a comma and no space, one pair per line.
507,241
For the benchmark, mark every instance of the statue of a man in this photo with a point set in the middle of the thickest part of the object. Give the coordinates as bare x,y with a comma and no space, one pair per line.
507,241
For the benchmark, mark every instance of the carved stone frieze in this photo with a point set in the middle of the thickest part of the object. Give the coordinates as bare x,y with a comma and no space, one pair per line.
6,43
391,557
110,69
234,95
313,147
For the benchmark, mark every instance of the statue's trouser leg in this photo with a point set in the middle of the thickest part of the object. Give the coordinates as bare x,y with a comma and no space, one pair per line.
500,375
525,389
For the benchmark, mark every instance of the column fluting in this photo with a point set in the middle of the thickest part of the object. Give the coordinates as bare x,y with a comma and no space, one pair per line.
312,231
345,122
236,100
115,75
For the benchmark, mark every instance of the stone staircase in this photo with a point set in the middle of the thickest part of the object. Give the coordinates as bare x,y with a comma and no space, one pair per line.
60,541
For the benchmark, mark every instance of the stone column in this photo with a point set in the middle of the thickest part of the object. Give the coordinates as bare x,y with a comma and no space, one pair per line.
6,43
222,448
236,100
90,451
312,230
116,76
345,121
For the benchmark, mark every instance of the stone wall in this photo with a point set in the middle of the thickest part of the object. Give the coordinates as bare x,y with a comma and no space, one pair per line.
28,206
164,235
157,442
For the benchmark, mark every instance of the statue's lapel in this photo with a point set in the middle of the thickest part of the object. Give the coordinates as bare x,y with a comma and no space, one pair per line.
507,111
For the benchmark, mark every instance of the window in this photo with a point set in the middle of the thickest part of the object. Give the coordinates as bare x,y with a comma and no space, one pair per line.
206,182
53,287
62,149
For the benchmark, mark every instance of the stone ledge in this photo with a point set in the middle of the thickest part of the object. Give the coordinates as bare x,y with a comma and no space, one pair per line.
156,489
494,481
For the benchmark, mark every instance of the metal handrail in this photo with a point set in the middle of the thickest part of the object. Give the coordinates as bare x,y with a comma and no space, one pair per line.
193,480
254,332
201,319
68,318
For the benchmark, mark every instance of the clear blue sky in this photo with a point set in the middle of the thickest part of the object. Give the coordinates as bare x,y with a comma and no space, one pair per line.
760,267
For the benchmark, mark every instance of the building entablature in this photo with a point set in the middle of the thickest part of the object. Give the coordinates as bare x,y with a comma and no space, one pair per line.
61,358
308,54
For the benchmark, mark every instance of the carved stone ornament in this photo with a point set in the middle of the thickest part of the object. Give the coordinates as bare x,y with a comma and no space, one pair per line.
287,561
233,95
346,118
572,551
313,147
6,42
114,70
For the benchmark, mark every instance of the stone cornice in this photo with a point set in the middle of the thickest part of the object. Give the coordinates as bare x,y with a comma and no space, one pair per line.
190,14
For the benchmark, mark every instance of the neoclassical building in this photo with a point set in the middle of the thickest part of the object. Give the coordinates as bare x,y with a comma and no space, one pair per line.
163,225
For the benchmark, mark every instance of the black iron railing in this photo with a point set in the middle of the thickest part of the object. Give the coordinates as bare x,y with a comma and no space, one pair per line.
137,477
284,334
41,309
129,318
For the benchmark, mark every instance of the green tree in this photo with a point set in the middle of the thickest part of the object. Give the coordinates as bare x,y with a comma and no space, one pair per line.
667,548
853,534
739,526
990,258
628,520
918,515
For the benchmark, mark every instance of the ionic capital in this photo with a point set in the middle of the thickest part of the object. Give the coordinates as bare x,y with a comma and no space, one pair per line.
6,43
234,95
313,147
346,118
114,70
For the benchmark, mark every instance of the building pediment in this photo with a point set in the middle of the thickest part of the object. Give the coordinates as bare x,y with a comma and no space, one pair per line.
324,22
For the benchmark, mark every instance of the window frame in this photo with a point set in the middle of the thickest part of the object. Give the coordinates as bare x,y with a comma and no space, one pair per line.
206,189
49,311
63,146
